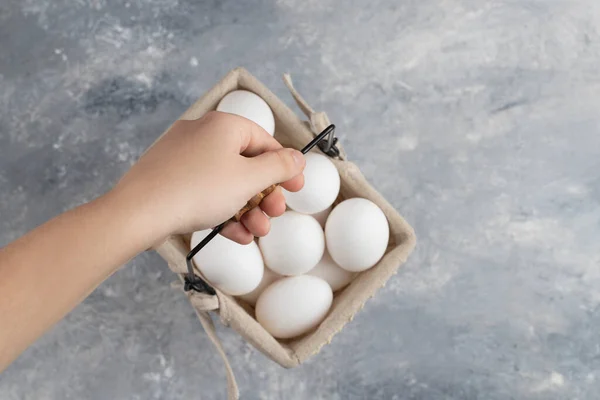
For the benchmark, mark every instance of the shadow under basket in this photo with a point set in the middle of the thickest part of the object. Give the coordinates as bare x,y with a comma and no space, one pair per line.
291,131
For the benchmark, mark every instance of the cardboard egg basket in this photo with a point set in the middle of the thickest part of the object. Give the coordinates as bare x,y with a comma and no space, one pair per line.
291,131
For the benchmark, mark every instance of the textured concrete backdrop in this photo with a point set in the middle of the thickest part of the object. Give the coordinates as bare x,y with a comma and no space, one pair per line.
478,120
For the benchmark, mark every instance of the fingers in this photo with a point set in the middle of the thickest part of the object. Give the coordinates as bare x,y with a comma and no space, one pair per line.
238,233
274,204
253,223
272,167
256,222
294,184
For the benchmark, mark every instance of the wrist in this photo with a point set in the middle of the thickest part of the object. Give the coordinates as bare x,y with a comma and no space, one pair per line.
138,221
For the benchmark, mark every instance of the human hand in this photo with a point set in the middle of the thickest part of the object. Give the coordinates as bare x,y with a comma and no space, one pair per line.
201,172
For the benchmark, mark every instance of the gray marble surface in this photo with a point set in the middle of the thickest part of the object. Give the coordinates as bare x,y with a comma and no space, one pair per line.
478,120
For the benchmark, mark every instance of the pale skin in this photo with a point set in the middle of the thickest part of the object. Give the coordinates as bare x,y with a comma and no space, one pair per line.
196,176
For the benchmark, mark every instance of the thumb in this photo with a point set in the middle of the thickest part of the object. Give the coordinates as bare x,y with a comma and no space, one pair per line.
275,166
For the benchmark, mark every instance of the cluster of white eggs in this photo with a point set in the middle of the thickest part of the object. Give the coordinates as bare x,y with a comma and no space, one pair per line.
313,250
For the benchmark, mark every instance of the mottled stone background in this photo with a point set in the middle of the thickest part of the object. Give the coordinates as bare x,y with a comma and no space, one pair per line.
479,120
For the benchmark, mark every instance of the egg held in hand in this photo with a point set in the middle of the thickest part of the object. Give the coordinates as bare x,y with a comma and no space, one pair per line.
268,278
357,234
249,105
233,268
294,245
294,305
321,186
330,272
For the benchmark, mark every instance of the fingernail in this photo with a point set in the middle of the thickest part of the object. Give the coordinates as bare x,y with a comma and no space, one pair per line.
298,158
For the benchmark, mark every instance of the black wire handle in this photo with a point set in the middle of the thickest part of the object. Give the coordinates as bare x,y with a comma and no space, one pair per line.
193,281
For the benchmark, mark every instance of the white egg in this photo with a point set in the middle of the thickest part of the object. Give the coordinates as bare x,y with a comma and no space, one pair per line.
293,306
321,217
331,273
357,234
231,267
294,245
321,186
249,105
268,278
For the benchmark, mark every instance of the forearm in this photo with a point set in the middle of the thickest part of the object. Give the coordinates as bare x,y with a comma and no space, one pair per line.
47,272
